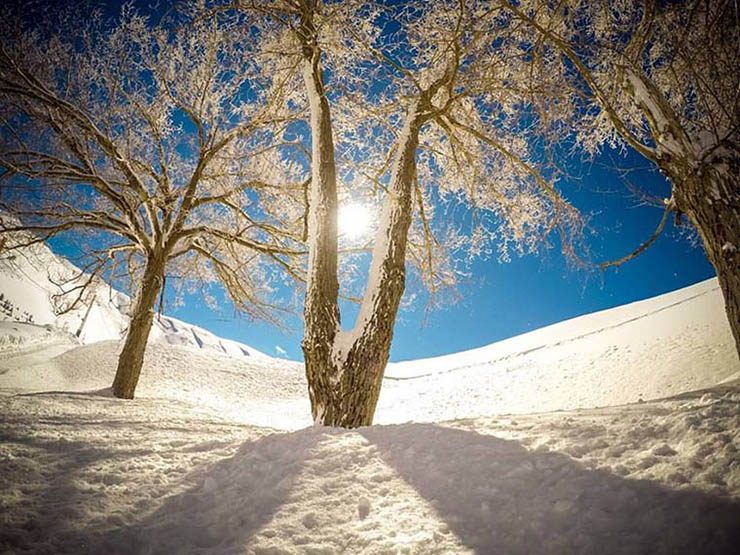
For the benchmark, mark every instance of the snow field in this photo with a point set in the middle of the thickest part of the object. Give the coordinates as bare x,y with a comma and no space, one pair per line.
78,464
495,450
680,348
16,337
86,473
264,392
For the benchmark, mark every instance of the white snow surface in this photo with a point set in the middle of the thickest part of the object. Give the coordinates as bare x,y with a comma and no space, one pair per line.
29,281
615,432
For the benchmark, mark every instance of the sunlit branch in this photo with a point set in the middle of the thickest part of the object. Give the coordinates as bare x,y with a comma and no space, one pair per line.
669,206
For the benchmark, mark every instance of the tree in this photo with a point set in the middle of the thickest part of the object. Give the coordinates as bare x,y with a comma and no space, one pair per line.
416,106
149,137
663,79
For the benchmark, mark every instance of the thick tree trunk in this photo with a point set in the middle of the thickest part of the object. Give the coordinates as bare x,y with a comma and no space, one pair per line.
344,382
344,370
321,309
131,358
705,188
712,202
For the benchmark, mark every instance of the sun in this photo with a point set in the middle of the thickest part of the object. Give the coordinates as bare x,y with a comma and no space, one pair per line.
353,221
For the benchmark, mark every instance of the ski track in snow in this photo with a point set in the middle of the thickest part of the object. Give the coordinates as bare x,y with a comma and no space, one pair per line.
495,450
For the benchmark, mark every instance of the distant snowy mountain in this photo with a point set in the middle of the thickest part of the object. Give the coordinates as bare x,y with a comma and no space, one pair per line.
29,281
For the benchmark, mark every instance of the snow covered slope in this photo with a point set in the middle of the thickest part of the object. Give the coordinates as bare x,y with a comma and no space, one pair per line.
669,344
494,450
651,349
28,284
694,313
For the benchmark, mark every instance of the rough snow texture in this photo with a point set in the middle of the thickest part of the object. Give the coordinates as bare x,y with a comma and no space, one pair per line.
18,337
203,460
88,473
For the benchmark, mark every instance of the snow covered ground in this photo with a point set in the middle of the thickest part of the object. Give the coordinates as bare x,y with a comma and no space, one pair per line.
501,449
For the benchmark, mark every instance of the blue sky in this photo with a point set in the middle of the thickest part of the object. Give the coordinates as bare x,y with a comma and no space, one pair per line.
506,299
503,300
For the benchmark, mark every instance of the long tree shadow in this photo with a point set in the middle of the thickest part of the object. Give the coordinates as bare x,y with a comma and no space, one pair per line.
231,501
500,498
69,477
58,506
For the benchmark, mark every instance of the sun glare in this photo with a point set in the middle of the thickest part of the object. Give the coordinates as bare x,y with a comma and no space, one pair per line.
354,221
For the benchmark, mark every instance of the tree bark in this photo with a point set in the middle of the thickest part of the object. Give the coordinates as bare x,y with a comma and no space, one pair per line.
712,202
131,358
344,380
321,308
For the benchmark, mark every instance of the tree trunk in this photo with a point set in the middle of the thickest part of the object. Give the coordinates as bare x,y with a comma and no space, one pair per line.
705,188
344,381
131,358
712,202
85,317
321,308
344,370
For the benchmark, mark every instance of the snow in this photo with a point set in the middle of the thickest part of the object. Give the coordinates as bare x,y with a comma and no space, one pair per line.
15,336
616,432
646,350
28,283
700,300
160,477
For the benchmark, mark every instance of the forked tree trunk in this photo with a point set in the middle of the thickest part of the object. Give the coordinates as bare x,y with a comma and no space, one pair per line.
344,370
131,358
344,380
712,202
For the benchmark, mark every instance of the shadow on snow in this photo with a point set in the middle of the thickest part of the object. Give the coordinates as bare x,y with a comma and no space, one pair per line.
498,497
494,494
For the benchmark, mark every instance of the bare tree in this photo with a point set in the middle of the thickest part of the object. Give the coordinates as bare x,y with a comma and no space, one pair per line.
414,108
152,137
661,78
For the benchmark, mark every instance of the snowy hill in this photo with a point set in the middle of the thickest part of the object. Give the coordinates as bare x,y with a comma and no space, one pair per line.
655,348
29,282
693,313
501,449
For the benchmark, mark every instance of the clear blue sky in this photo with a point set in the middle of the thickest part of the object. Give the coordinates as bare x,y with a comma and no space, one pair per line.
503,300
506,299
